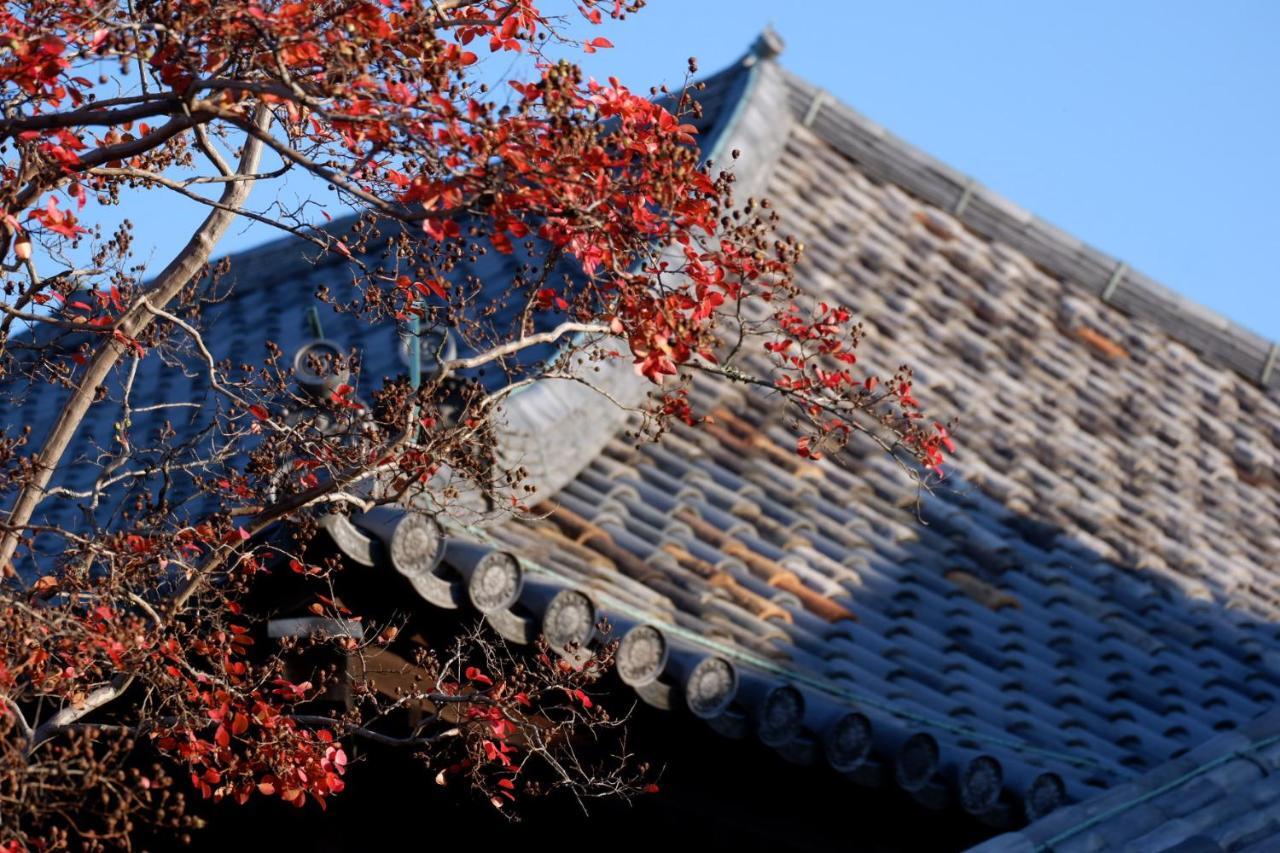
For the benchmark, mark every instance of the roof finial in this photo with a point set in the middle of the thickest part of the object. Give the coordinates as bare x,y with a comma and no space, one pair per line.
768,45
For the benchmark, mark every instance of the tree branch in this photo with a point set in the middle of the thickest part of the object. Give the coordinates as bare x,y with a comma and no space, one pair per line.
27,731
515,346
69,715
376,737
177,275
83,118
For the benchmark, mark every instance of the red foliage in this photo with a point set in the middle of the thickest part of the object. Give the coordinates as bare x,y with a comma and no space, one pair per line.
136,630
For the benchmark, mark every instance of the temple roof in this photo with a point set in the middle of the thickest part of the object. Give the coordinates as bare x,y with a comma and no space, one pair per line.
1090,594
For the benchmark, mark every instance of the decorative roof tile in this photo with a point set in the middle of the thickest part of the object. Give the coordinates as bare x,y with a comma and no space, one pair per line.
1089,595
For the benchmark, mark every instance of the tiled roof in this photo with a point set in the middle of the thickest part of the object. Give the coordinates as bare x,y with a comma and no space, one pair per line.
266,296
268,293
879,154
1090,593
1221,797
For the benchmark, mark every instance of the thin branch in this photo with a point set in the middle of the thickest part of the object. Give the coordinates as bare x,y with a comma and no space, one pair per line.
177,275
377,737
146,608
181,189
206,146
522,343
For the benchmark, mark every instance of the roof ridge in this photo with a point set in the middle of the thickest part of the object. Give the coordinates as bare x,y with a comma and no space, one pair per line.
752,96
1212,335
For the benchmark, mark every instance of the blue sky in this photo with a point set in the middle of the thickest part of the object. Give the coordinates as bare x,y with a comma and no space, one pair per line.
1149,129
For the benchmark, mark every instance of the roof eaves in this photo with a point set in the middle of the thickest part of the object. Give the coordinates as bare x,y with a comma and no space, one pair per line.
1158,811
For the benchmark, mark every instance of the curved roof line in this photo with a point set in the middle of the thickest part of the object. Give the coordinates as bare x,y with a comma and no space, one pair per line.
581,418
884,156
763,103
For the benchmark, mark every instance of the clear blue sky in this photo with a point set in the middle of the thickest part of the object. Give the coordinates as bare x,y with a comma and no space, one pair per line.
1149,129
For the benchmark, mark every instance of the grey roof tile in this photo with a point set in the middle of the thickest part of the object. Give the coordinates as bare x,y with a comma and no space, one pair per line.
1090,594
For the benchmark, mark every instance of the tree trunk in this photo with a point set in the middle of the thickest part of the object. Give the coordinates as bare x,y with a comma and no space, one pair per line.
137,318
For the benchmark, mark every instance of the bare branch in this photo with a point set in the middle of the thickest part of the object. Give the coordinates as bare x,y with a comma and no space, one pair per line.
521,343
72,713
180,271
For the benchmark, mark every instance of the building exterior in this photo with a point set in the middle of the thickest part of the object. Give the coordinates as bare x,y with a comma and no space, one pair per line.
1076,631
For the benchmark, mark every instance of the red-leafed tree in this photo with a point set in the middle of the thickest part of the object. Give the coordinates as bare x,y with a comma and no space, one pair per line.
131,667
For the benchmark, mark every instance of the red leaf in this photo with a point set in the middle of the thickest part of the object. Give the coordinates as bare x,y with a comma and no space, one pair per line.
259,412
945,437
474,674
432,286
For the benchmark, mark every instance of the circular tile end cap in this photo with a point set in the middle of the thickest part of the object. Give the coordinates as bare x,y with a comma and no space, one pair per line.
1045,794
848,743
642,655
781,716
711,687
980,784
917,761
495,583
569,621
